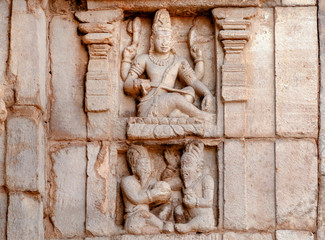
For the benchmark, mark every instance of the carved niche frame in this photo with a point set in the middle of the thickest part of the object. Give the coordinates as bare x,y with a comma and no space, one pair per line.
101,28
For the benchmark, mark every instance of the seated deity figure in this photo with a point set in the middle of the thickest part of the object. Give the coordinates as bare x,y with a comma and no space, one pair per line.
196,213
141,191
157,95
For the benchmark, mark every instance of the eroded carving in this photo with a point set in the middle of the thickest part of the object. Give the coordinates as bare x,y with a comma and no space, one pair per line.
157,95
182,199
139,191
196,213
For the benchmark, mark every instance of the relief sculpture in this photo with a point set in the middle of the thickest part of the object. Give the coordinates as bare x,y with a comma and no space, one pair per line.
180,201
157,96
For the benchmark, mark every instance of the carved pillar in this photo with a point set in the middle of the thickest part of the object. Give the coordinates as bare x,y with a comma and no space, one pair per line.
233,34
101,38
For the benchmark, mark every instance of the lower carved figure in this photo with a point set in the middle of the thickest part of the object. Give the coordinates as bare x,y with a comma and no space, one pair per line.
141,192
196,213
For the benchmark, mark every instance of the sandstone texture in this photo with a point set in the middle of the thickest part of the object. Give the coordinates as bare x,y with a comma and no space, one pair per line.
4,38
162,120
299,235
3,212
28,58
252,173
296,91
69,59
25,217
68,202
25,156
296,184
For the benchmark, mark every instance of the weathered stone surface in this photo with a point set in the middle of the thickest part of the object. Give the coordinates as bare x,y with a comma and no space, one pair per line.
298,2
97,103
296,235
4,20
99,125
247,236
296,184
321,25
260,121
321,209
296,91
234,185
2,159
69,200
25,155
69,61
3,213
101,189
181,7
235,119
249,184
28,58
95,28
270,3
98,38
104,16
260,187
211,236
25,217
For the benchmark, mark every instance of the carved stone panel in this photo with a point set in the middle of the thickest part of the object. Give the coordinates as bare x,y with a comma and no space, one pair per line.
162,120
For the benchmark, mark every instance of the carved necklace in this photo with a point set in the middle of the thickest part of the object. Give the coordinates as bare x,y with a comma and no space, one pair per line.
161,62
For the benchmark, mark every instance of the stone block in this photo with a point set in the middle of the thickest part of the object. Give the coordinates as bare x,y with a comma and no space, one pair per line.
235,119
2,158
69,190
249,185
101,189
3,213
4,38
211,236
321,25
180,6
98,38
296,184
95,28
99,125
28,57
298,2
296,91
102,16
25,155
260,186
247,236
25,217
69,64
234,185
321,210
97,103
259,54
296,235
97,87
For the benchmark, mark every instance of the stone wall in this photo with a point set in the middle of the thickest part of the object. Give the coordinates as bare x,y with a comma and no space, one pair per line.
70,124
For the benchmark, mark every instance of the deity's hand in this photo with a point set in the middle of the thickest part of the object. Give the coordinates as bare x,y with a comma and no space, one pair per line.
196,53
189,200
172,157
145,86
161,192
206,103
130,52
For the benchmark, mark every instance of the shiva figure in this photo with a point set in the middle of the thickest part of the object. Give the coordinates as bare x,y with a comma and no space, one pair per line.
157,95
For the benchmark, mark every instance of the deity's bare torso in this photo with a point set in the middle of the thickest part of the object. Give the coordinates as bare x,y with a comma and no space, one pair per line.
158,95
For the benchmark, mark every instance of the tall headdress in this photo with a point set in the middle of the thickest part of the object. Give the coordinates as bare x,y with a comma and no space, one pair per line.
193,152
161,21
